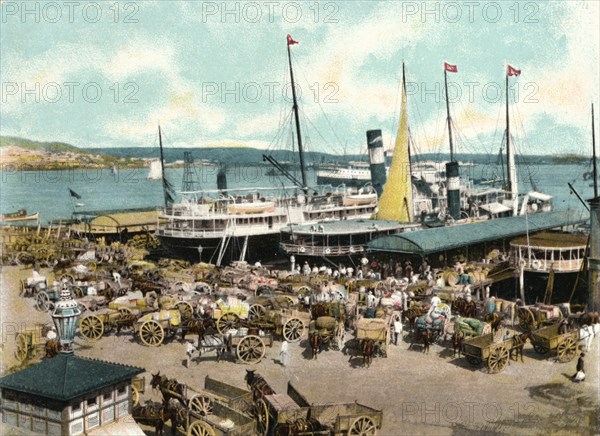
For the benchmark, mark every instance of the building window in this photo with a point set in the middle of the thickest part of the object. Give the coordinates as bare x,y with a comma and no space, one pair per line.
93,420
75,407
122,390
107,396
91,402
77,427
108,414
39,425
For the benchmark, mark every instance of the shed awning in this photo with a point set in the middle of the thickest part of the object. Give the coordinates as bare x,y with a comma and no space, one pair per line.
494,208
424,242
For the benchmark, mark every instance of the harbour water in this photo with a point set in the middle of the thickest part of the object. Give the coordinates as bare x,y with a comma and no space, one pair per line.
47,192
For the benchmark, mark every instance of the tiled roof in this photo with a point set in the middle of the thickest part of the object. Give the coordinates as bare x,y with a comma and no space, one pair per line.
67,376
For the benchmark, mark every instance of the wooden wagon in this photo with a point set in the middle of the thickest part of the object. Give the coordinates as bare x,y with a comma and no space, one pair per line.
31,342
485,349
93,326
533,317
376,329
547,339
152,328
138,387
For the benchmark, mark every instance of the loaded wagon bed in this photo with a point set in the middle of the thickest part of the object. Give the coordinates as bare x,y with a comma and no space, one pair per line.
550,338
485,349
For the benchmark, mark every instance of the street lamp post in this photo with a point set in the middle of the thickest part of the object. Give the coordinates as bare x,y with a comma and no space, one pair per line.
65,316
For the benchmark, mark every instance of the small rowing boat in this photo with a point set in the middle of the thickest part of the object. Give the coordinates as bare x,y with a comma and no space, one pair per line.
20,215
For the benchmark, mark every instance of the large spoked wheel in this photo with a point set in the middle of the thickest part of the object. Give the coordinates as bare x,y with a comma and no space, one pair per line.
293,330
566,350
67,278
256,312
540,349
42,301
227,321
262,417
135,396
186,310
22,351
152,333
78,292
498,360
200,428
363,426
201,404
91,328
474,360
526,319
251,349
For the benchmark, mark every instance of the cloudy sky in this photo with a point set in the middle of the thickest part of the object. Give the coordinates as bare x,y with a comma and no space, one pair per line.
105,74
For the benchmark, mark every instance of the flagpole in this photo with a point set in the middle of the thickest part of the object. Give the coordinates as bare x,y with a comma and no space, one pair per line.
448,115
297,118
508,139
162,167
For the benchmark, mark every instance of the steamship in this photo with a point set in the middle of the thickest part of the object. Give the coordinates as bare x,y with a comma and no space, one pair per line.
244,224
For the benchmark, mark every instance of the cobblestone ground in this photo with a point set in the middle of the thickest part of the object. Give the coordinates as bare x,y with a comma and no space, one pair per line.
419,393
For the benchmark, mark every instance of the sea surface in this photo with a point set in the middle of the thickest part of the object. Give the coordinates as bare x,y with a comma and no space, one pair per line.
47,192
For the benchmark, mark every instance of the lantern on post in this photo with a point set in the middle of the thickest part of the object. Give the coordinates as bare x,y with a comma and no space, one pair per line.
65,316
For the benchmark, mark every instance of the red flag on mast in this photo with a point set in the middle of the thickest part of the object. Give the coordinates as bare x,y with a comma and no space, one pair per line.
513,71
450,68
291,40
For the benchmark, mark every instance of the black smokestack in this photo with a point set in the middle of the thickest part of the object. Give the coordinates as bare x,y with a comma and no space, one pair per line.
376,159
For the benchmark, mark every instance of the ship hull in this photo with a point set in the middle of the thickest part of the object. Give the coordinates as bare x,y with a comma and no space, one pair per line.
335,181
261,248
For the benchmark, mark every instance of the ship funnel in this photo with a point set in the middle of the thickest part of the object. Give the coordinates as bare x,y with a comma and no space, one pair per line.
376,159
222,179
453,181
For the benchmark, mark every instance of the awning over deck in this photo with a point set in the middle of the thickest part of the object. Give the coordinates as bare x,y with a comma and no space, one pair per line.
424,242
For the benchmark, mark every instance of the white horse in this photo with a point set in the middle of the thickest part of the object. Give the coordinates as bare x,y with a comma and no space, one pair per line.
587,334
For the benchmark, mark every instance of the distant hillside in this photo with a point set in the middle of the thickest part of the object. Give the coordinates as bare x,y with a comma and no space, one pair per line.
24,154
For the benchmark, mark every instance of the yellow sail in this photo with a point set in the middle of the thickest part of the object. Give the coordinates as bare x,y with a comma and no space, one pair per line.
396,199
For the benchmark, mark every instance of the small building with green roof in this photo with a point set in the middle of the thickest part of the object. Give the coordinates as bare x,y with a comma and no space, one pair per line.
69,395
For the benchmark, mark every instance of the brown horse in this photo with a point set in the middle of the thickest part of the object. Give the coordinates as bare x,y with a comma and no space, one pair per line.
169,388
367,349
156,415
411,315
457,340
315,341
495,319
517,344
425,336
258,385
52,348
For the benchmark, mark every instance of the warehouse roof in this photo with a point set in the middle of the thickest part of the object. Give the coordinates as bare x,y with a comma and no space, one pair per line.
424,242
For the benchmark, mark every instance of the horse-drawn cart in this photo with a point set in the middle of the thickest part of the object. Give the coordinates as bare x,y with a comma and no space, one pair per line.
485,349
550,338
376,330
31,342
534,317
154,327
93,326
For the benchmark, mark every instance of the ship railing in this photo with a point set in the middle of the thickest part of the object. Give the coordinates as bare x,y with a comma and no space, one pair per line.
541,265
323,251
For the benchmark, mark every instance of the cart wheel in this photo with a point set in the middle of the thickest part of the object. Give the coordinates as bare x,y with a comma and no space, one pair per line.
290,301
22,351
526,319
200,428
227,321
304,290
124,311
498,360
91,328
474,360
566,350
186,310
293,330
262,417
43,301
251,349
256,312
540,349
91,266
152,333
182,420
201,404
135,396
68,278
362,426
78,292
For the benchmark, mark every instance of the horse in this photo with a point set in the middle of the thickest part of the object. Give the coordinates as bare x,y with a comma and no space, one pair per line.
457,340
367,349
495,320
52,348
169,388
257,384
412,314
220,343
425,335
318,310
156,415
587,334
315,341
517,344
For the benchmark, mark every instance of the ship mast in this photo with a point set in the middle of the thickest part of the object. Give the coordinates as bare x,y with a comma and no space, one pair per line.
448,118
510,155
595,169
162,169
290,41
